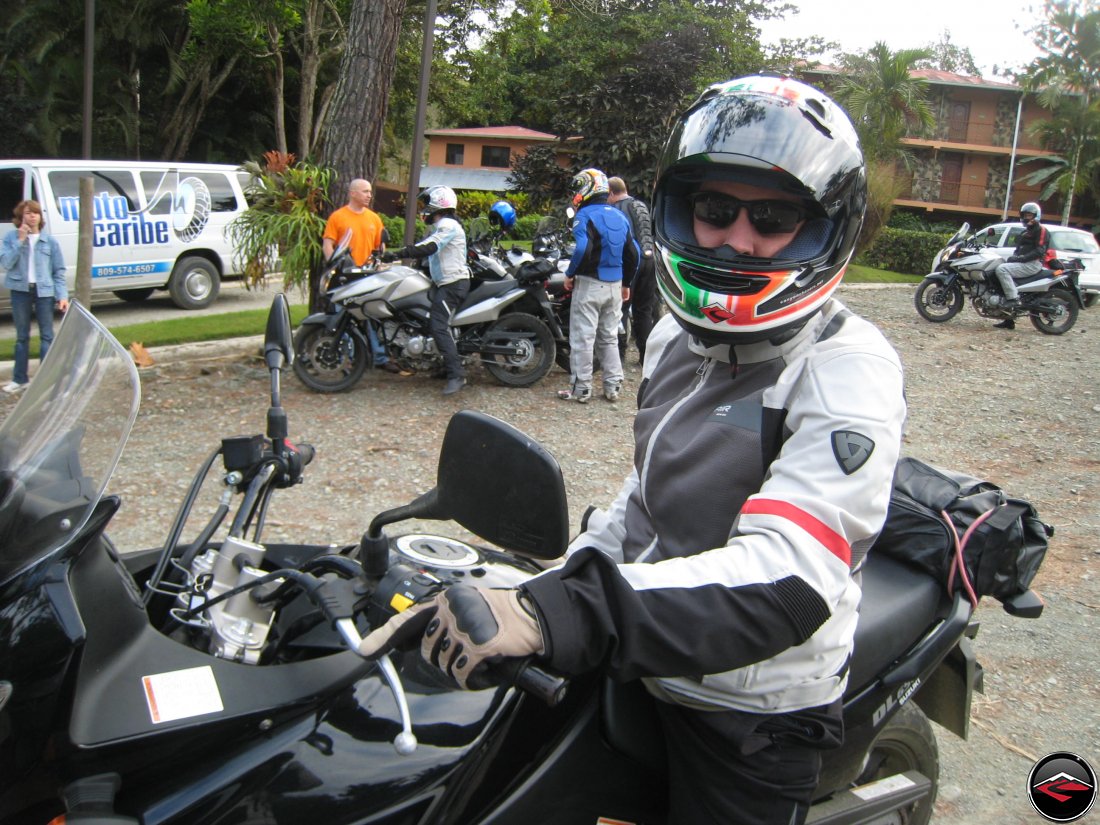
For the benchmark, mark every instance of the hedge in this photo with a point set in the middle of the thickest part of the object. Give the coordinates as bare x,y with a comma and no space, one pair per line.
903,250
524,230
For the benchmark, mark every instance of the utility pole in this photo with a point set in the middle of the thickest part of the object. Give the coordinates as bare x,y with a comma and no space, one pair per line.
421,116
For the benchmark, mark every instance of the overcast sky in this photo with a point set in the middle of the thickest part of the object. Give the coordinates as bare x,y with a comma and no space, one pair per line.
995,31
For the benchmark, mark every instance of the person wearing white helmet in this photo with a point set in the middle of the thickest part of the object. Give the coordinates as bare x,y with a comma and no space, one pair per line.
1026,259
445,249
724,575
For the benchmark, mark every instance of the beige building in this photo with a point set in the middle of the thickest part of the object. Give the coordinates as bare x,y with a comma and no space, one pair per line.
969,165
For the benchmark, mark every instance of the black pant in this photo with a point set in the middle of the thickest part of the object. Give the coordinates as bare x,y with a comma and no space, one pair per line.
644,304
445,301
734,768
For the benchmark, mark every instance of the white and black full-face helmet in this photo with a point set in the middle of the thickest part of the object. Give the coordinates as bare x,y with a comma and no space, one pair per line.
762,132
1033,209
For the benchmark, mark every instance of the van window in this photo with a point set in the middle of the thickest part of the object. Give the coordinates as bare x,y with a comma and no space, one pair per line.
160,185
11,192
114,191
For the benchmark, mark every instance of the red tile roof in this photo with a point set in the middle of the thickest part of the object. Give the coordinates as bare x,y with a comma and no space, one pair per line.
499,132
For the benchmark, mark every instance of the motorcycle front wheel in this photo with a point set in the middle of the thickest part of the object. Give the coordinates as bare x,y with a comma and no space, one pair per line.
937,303
536,350
1058,314
325,362
907,743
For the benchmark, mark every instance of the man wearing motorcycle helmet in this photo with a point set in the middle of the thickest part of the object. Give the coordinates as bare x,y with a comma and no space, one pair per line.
445,249
1026,260
725,573
599,273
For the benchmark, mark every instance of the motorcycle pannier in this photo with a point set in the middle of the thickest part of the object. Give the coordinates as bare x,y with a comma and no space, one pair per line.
1003,541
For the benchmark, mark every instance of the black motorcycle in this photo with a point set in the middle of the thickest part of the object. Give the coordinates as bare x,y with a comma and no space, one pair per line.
215,680
505,323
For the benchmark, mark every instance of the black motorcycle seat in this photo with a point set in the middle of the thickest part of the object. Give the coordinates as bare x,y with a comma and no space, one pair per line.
899,605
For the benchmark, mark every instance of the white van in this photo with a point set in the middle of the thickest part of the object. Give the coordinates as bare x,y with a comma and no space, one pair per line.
157,225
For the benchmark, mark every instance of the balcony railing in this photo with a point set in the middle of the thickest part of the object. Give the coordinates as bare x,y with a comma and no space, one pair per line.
973,133
964,196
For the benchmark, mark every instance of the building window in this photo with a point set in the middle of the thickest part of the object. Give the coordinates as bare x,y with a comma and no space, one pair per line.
455,154
498,156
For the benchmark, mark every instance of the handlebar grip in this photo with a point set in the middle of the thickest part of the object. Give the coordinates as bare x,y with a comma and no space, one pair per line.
306,451
546,686
530,678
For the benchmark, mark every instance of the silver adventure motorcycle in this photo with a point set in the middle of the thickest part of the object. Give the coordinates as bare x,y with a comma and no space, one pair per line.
1052,299
505,323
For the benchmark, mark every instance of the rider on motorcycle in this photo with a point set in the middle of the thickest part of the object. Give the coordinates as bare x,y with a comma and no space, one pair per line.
445,249
724,575
1026,259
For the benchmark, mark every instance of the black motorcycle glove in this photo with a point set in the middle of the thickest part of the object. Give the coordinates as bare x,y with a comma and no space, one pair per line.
461,628
1013,259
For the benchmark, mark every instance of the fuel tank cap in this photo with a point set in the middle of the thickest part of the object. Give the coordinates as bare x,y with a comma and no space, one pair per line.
437,551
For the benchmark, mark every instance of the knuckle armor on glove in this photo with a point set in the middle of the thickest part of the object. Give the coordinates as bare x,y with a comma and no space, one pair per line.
460,629
474,625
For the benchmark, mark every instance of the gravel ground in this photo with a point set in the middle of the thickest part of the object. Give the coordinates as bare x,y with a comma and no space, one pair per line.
1019,408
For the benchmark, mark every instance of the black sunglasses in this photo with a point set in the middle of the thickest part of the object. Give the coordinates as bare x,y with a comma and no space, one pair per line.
768,217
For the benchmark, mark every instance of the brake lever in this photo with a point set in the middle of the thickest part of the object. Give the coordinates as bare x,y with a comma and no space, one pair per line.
405,742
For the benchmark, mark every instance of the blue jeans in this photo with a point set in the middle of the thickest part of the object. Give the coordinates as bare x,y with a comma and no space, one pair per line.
376,346
22,305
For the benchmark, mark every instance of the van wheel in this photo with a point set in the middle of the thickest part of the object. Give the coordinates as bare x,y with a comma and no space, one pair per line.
194,283
134,296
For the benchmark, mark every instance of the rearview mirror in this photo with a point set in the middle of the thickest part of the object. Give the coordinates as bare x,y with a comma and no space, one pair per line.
503,486
499,484
278,342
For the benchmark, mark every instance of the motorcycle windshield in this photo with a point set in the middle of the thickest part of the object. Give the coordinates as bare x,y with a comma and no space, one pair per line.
61,442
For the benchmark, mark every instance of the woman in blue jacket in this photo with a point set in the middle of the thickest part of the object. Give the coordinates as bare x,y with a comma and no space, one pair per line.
36,278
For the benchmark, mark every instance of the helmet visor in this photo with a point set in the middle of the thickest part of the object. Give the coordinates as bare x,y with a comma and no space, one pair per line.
753,131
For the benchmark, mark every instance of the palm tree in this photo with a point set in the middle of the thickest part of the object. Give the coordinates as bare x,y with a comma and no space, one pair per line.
1067,77
883,99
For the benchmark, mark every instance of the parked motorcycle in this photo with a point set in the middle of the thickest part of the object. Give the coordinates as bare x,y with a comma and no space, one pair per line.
1052,299
505,323
216,680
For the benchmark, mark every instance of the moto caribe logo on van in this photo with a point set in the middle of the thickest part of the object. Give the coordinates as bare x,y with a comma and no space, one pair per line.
115,224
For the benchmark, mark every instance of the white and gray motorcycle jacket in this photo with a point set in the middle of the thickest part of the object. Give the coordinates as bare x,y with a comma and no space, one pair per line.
725,573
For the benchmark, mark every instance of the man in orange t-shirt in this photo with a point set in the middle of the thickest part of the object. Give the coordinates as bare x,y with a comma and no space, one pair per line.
366,237
365,225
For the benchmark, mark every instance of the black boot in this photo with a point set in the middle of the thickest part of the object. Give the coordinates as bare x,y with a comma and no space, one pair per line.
1007,323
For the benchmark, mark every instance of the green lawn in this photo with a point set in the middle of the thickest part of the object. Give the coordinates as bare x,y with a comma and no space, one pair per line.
182,330
866,275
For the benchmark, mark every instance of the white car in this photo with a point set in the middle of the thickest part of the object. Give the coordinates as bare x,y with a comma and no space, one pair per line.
1067,243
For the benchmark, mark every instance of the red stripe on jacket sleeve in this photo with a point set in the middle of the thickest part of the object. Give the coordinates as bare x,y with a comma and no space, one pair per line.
823,533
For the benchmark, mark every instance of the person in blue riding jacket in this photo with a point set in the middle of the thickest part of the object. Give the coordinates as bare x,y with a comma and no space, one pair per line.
725,574
445,249
599,274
